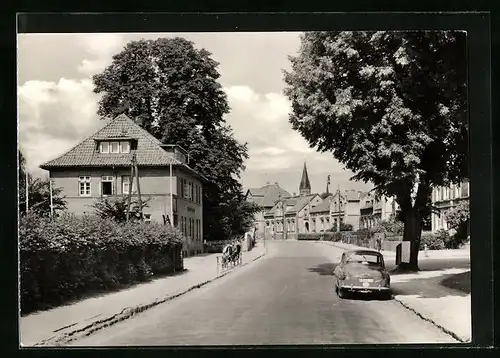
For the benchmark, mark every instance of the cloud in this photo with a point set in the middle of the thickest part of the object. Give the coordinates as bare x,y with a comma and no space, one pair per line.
53,117
101,48
276,151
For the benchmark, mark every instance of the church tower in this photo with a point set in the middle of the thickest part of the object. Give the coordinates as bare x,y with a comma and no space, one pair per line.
305,185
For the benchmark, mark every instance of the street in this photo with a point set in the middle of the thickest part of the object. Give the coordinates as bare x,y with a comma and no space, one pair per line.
287,297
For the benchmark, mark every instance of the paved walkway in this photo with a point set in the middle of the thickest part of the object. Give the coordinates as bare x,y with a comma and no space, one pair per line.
64,323
423,293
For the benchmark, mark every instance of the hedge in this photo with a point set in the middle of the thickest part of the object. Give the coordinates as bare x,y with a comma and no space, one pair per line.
71,257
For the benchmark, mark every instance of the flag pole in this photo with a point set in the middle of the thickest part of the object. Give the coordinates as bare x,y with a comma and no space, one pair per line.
26,189
51,200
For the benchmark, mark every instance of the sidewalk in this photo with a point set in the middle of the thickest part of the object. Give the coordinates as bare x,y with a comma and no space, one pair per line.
66,323
425,294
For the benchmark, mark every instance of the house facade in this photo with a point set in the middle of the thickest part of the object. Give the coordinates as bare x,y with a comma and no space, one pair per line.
445,198
265,197
320,215
100,167
290,216
345,208
374,209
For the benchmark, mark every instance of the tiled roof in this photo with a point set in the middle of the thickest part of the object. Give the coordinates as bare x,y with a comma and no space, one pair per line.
268,195
292,204
322,207
85,153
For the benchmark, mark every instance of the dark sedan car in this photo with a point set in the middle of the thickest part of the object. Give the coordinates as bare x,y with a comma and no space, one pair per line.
362,271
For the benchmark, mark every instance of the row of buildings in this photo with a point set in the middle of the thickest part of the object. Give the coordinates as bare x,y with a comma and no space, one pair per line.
100,167
285,214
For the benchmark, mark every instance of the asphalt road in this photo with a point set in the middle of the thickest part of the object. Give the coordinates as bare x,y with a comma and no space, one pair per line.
287,297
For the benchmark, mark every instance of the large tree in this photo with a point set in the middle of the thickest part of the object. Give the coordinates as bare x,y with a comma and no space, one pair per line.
171,89
391,107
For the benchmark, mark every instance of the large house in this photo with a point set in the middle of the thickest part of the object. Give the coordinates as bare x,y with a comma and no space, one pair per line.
265,197
374,209
345,208
320,215
100,166
445,199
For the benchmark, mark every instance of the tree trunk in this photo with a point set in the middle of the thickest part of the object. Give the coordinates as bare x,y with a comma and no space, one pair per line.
412,233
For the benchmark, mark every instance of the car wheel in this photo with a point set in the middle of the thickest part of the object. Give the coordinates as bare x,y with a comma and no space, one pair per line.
386,295
341,293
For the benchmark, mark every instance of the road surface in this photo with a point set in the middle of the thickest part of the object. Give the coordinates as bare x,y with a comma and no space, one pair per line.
286,297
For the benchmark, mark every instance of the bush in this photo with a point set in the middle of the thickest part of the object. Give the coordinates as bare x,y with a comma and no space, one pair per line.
70,257
433,242
308,236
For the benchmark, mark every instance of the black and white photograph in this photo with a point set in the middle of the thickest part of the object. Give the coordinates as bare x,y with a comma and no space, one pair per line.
243,188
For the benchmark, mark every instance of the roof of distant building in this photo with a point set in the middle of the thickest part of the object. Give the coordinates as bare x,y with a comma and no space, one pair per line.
268,195
322,207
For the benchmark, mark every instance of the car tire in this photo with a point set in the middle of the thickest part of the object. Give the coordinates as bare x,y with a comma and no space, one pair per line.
386,295
341,293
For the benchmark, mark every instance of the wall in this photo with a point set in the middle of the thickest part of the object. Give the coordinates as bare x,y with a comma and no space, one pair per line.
154,185
444,199
303,216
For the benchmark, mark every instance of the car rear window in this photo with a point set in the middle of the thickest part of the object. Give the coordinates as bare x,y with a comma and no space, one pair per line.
363,258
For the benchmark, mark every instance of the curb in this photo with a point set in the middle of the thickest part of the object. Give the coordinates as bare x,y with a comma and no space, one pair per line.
420,315
126,313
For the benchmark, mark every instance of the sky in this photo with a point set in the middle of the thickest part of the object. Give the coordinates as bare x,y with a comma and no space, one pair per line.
57,108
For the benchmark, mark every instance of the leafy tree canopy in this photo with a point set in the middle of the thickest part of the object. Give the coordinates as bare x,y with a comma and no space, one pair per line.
39,197
171,89
390,106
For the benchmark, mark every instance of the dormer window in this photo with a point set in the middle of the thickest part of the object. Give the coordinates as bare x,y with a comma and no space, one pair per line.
114,147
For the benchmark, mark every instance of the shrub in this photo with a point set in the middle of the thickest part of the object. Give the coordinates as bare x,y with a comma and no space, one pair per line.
432,241
308,236
72,256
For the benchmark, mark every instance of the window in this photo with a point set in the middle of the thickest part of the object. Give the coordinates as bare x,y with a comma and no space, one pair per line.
126,184
104,147
107,185
115,147
147,218
124,147
187,190
84,186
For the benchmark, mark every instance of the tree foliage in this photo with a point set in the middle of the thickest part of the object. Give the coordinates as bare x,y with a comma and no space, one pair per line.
390,106
171,89
116,208
391,227
458,220
38,194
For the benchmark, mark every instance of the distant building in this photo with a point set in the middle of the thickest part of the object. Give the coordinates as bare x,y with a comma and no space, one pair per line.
445,199
345,208
320,215
99,167
292,215
265,197
373,210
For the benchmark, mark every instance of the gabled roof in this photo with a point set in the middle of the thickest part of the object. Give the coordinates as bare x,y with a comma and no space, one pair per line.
322,207
149,150
292,204
267,195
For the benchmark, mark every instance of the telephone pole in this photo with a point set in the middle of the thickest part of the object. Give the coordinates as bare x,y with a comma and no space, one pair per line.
338,208
131,182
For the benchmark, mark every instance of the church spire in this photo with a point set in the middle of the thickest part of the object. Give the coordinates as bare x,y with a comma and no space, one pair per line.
305,185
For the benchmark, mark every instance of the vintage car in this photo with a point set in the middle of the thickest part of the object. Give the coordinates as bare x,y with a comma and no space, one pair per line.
362,271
